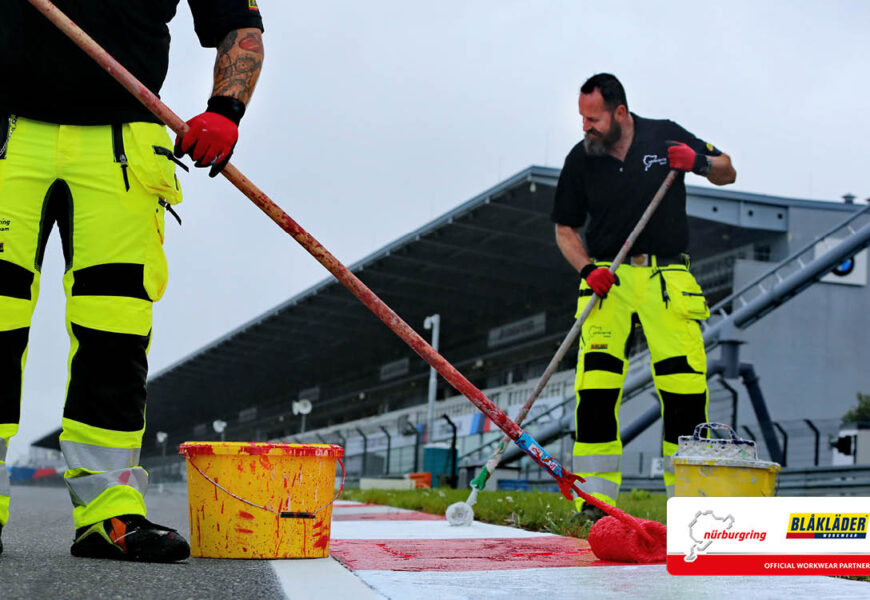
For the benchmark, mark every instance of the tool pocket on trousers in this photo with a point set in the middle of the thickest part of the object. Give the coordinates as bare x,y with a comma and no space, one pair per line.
156,273
686,295
583,298
148,154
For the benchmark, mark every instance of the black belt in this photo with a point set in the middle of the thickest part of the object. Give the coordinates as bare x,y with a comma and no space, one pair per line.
645,260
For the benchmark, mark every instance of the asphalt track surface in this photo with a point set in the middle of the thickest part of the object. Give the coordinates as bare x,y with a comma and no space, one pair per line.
36,562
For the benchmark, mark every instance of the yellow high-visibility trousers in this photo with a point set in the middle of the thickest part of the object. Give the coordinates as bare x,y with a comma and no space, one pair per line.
105,188
669,305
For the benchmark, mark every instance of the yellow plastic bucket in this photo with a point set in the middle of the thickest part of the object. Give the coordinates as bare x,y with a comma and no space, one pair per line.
721,467
260,500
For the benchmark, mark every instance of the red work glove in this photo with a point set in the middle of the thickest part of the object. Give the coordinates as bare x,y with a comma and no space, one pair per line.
213,134
682,157
599,279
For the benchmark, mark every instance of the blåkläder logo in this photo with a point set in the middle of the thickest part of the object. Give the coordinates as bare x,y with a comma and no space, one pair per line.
821,526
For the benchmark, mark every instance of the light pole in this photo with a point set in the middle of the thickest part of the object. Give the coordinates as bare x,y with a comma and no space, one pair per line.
302,407
432,322
161,439
220,427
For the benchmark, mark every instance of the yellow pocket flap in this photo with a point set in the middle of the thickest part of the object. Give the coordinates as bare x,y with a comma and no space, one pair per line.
149,154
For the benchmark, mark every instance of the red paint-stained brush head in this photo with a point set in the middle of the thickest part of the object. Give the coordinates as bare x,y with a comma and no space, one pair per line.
615,541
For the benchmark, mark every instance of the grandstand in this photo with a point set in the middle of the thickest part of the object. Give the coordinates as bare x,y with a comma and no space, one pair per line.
490,268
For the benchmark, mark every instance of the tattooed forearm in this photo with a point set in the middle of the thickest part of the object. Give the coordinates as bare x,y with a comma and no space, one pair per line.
239,59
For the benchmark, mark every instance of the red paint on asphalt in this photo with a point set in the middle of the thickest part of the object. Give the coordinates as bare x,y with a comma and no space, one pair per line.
490,554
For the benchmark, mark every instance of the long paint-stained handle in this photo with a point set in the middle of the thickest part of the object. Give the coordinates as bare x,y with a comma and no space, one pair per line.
565,478
480,481
258,197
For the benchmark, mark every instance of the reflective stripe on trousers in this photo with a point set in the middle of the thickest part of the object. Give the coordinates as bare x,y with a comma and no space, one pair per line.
86,488
599,485
4,474
113,466
597,464
98,458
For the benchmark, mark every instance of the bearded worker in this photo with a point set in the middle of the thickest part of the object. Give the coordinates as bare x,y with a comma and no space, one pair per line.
79,152
610,178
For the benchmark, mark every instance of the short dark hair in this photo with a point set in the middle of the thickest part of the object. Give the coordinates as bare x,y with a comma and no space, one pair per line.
610,88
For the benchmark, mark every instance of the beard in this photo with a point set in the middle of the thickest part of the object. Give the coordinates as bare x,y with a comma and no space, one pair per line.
599,144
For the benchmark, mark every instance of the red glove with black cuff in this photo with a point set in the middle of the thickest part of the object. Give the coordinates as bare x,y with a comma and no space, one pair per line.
682,157
599,279
213,134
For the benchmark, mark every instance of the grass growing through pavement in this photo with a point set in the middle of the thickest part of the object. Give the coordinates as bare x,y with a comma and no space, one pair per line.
533,511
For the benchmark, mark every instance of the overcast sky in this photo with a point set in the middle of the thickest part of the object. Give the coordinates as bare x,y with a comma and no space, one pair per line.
372,118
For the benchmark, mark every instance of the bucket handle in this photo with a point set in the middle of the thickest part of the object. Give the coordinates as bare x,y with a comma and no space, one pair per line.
711,426
281,513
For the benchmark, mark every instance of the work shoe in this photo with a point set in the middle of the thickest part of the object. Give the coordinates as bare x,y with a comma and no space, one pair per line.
130,537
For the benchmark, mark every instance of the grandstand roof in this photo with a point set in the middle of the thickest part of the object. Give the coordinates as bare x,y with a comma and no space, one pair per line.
488,262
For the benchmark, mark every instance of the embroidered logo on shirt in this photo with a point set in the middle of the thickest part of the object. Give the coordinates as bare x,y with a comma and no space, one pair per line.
252,5
711,147
653,159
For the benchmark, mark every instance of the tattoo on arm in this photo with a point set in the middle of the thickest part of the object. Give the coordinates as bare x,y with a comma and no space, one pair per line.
238,64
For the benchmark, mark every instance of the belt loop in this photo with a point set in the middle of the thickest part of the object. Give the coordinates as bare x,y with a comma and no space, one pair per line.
653,261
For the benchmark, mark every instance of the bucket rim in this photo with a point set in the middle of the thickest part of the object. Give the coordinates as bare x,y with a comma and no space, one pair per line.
726,462
190,449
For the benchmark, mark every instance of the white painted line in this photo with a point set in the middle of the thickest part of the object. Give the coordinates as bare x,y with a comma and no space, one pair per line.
369,510
423,530
320,579
603,583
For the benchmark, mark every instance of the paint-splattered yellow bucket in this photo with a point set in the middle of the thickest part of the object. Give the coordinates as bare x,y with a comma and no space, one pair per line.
721,467
260,500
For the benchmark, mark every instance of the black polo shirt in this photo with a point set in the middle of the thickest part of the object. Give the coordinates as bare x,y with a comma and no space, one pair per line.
614,194
47,78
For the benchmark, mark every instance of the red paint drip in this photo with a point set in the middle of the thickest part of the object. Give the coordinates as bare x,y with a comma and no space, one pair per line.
614,541
240,530
246,515
322,542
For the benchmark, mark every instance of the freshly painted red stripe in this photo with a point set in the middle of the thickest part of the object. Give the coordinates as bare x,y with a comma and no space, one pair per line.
770,564
403,516
487,554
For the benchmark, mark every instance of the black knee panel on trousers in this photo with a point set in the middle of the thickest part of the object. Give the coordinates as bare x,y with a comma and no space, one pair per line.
13,343
15,281
107,379
602,361
682,412
674,366
596,416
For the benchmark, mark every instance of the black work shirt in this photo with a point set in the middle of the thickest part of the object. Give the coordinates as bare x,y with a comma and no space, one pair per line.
614,193
47,78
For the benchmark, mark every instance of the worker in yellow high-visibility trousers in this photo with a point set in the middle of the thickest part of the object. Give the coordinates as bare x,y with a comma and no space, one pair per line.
78,151
610,178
